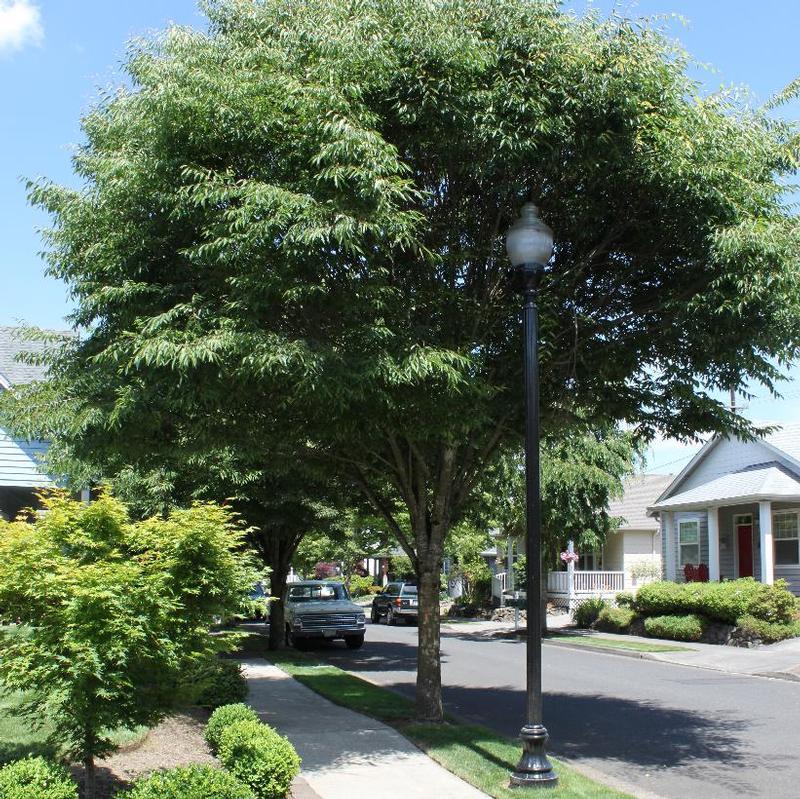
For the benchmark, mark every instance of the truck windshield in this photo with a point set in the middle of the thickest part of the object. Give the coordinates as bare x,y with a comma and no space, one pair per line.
316,593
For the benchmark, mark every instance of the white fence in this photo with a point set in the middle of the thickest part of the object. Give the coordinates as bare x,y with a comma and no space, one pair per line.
571,587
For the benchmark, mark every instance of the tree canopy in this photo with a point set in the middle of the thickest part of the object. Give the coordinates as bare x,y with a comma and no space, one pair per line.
298,215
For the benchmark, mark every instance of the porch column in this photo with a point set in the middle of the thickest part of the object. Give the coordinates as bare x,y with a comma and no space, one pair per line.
668,534
713,545
767,554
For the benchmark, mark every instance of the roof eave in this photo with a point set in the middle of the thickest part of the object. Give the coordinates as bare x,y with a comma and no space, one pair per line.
723,503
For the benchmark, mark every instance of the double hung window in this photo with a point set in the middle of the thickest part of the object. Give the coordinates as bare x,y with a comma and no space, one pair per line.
787,540
688,543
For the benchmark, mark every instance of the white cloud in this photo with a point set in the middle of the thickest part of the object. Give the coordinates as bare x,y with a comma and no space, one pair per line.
20,25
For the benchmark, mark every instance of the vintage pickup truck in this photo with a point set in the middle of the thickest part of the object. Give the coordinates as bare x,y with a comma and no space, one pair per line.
322,610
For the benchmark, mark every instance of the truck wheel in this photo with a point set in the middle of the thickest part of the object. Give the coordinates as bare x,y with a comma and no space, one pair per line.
354,641
374,617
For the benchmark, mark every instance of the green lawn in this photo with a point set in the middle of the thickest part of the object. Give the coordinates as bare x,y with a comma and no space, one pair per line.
614,643
19,738
476,754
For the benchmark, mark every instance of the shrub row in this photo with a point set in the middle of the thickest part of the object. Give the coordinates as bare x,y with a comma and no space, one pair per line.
193,782
769,632
36,778
587,613
726,602
252,752
614,620
258,763
688,627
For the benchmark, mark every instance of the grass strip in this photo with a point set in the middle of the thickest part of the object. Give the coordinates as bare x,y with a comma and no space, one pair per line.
20,737
474,753
613,643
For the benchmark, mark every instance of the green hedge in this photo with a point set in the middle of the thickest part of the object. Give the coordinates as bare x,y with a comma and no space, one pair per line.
222,718
625,599
689,627
587,613
614,620
726,602
36,778
193,782
265,761
770,632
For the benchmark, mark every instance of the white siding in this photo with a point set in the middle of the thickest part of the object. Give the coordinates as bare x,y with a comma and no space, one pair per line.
613,552
729,455
639,546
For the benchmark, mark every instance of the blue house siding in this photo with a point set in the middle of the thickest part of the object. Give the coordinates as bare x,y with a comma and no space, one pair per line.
20,463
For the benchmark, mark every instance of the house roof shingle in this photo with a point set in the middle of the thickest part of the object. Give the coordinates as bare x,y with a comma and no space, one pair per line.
640,492
760,481
12,371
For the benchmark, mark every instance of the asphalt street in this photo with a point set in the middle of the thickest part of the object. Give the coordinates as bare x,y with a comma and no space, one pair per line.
673,730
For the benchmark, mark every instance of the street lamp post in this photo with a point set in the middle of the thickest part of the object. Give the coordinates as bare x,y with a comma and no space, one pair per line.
529,243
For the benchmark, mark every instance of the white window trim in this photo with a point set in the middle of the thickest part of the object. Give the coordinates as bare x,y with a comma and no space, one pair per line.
681,545
775,537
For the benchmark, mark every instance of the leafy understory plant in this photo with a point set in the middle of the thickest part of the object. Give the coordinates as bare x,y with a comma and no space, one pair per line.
114,612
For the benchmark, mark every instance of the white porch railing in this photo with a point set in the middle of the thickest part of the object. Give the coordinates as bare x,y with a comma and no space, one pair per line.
585,583
499,583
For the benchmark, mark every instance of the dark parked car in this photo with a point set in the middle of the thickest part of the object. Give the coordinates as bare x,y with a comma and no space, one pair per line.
396,601
322,610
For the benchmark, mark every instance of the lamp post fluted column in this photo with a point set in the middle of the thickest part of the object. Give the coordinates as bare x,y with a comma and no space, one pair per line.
530,244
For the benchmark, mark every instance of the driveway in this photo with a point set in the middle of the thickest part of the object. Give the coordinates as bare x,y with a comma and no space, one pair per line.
674,730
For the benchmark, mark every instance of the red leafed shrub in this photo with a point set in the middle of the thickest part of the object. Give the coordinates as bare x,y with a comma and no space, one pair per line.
322,571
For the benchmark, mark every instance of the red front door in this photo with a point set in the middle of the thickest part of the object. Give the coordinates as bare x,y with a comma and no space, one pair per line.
744,536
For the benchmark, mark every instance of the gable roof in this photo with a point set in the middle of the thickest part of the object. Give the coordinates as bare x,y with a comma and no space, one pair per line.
640,492
761,481
784,443
12,372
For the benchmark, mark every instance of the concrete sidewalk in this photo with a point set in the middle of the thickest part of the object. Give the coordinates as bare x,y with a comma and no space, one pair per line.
780,661
346,755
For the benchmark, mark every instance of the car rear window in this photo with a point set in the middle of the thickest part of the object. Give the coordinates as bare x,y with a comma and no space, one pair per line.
410,589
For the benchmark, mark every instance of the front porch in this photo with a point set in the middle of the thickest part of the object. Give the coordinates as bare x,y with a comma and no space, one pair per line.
567,588
756,539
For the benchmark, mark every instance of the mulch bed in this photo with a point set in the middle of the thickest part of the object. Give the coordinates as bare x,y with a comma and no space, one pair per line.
177,741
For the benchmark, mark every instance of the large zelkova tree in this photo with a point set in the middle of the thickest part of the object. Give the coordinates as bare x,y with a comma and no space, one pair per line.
303,207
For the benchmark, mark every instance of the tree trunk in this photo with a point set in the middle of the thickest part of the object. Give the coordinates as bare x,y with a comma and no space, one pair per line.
277,617
89,778
429,668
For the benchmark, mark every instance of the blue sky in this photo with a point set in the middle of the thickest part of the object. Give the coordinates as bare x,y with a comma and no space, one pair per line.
56,55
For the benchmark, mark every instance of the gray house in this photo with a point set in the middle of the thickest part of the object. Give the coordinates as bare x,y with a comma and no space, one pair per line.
735,511
21,474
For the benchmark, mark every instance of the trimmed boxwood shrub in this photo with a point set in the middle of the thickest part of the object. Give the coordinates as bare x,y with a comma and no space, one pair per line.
769,632
192,782
587,612
217,682
614,620
36,778
689,627
260,758
222,718
725,602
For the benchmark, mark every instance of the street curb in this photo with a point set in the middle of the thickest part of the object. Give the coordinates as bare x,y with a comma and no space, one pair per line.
654,657
603,650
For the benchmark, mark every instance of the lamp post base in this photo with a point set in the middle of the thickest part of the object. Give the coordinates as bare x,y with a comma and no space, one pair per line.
534,769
